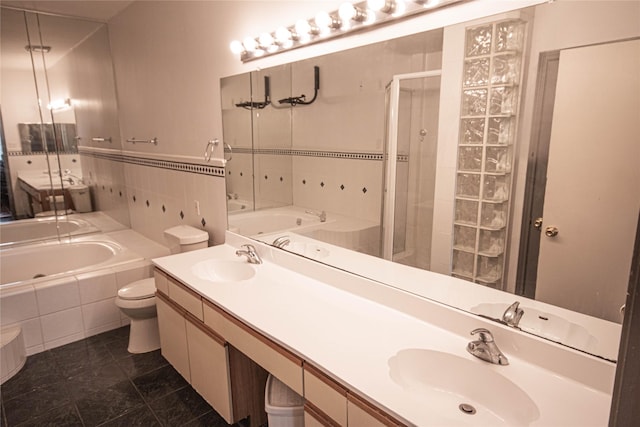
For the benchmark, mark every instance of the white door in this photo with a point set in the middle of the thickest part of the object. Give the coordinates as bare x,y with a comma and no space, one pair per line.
593,180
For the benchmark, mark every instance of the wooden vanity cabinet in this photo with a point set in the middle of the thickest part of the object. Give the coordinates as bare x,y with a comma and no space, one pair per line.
326,399
227,379
228,362
283,364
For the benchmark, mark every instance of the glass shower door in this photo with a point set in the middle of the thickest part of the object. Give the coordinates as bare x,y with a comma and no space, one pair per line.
412,102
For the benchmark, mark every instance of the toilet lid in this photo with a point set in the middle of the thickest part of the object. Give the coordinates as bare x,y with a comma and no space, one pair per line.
141,289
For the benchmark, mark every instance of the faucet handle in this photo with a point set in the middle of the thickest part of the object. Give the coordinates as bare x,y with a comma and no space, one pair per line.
484,334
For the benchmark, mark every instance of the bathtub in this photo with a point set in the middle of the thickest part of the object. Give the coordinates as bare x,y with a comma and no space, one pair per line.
56,259
273,220
31,230
61,292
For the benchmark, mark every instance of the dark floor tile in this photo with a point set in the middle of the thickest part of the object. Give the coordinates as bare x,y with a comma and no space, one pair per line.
29,406
210,419
141,417
110,336
95,379
100,406
81,356
180,407
64,416
159,382
39,370
136,365
3,420
119,348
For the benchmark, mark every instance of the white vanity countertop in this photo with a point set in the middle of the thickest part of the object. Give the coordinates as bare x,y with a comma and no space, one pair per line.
352,339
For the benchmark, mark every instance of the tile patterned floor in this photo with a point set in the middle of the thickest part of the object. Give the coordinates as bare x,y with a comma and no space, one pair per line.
96,382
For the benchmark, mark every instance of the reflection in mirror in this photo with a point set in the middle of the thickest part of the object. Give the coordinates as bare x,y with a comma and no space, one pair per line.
58,107
464,214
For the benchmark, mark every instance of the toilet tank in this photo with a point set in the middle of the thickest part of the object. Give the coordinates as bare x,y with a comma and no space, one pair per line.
184,238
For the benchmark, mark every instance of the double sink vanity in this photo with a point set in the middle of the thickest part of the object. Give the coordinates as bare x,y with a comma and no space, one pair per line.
361,353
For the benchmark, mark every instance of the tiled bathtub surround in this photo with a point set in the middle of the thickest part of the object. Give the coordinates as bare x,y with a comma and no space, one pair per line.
70,306
60,311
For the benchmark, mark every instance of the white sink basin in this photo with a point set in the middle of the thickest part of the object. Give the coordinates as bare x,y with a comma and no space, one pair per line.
309,250
543,324
222,270
463,391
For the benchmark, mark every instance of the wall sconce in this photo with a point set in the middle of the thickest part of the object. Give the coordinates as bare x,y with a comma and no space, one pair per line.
327,25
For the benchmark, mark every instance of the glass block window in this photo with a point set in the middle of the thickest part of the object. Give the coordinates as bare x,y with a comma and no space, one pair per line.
491,82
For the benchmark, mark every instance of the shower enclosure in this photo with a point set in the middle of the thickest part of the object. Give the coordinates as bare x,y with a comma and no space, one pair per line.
411,135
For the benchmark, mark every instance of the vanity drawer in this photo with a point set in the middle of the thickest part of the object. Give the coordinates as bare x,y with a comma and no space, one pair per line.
313,417
185,297
161,280
273,358
364,414
325,394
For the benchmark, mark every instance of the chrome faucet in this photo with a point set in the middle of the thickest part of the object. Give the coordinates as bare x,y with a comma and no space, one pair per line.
281,242
251,254
485,348
322,215
513,314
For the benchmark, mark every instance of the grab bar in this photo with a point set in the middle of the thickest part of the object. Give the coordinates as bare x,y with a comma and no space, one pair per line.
228,149
153,141
208,152
101,139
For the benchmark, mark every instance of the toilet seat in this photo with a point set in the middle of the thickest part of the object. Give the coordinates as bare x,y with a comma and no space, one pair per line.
140,289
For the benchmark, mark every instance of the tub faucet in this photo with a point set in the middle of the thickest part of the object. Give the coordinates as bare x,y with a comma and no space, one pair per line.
322,215
251,254
485,348
513,314
281,242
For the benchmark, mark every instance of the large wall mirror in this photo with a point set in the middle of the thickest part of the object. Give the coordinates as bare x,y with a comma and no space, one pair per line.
476,150
58,109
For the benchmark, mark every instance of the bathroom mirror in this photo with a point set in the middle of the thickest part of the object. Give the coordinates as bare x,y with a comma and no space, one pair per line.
338,147
61,89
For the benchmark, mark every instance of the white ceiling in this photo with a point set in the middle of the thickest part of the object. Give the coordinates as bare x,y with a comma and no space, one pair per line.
99,10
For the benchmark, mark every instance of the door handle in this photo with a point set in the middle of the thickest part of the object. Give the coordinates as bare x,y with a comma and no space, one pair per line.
551,231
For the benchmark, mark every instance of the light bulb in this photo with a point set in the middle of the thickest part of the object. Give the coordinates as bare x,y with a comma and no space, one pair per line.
376,4
265,40
323,20
399,8
249,44
346,11
283,35
236,47
303,27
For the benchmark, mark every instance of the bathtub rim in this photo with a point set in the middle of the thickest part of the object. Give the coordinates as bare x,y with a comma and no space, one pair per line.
122,256
87,228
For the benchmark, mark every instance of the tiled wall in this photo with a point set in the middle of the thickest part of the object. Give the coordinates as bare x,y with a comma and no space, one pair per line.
60,311
155,194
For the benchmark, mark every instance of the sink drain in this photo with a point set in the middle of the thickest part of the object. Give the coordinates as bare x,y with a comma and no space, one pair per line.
467,409
39,275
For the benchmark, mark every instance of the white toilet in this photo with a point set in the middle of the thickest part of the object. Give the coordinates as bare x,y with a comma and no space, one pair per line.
137,300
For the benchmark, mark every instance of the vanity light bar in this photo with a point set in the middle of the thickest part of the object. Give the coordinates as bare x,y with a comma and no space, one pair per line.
350,17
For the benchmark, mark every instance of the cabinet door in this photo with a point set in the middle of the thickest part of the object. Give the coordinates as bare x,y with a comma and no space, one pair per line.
173,335
315,418
208,359
325,394
281,363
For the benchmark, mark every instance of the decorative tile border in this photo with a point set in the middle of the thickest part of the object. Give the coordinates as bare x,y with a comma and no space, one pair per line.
38,153
157,163
318,153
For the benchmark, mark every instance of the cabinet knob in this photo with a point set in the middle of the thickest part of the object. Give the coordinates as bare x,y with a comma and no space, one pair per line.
537,223
551,231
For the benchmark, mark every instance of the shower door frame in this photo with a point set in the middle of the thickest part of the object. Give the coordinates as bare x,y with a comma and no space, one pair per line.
390,158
